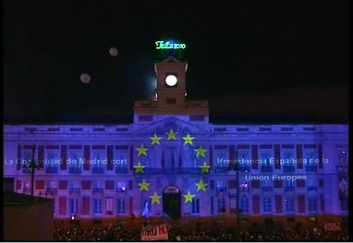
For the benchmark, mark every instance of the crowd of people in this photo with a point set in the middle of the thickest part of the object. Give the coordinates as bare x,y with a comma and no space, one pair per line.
181,231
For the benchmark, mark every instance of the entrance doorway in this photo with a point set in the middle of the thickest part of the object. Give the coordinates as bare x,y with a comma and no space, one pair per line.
172,202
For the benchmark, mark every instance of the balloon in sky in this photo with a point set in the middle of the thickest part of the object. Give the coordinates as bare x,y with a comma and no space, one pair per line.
85,78
113,51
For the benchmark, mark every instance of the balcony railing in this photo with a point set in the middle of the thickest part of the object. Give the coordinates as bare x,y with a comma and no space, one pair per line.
288,168
52,169
98,190
311,168
98,170
266,169
74,190
75,170
121,170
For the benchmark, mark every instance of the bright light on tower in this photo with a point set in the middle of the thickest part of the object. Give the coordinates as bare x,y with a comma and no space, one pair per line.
171,80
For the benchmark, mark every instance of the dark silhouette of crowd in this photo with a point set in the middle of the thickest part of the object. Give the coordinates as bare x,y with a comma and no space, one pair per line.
182,231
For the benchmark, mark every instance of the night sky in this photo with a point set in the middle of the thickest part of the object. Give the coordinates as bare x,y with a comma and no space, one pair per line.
255,61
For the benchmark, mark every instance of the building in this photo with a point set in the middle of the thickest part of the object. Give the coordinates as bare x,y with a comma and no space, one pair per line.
172,160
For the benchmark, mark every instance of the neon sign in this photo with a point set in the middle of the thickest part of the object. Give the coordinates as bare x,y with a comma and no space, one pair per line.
169,45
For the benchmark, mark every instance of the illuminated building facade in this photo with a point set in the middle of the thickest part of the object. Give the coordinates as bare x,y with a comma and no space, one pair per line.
172,160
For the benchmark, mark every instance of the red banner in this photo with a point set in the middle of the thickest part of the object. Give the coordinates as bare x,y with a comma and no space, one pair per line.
158,232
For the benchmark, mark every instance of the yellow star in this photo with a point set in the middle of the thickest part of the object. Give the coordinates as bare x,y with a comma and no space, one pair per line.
188,139
201,186
142,151
155,139
200,152
155,198
172,135
139,168
205,167
144,186
188,197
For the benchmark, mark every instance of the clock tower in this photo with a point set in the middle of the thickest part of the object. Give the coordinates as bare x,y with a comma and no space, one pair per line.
171,96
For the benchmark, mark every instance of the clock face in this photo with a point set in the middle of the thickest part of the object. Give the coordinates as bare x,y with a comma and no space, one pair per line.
171,80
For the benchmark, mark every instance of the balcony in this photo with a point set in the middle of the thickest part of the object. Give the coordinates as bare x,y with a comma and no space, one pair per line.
98,170
75,170
74,190
266,169
311,168
121,170
98,190
52,169
288,168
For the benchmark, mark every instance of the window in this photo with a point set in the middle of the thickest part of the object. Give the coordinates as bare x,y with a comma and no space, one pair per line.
244,204
52,165
121,186
288,161
220,186
311,183
73,206
232,184
311,161
289,185
52,184
120,206
62,185
244,160
147,205
312,204
266,165
267,204
109,206
289,204
121,161
266,185
39,184
195,206
27,159
75,162
109,185
232,203
222,160
221,205
98,161
97,206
